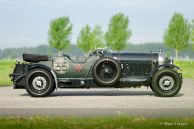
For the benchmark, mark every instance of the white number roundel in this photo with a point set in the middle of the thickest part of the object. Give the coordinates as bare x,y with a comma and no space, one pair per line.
61,66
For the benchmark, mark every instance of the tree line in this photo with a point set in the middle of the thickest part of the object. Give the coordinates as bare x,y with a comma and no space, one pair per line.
74,51
178,35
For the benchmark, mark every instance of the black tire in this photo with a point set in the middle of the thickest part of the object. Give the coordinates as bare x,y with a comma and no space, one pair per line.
46,83
151,87
106,71
166,82
54,87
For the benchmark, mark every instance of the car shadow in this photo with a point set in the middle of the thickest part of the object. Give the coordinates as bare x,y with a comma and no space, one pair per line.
103,93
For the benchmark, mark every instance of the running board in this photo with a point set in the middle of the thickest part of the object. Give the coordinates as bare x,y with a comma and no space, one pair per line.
134,79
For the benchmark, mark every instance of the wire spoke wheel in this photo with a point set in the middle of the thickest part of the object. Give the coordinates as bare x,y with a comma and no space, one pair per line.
106,72
40,83
166,82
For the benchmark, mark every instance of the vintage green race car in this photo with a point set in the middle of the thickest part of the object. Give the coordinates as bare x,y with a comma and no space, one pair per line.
40,75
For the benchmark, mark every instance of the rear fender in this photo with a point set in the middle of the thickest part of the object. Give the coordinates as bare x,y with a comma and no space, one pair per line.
33,66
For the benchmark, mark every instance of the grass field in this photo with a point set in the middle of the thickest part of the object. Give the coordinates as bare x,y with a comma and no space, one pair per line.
116,122
187,67
6,67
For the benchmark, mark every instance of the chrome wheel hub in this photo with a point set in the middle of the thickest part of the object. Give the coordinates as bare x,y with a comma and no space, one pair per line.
39,83
166,82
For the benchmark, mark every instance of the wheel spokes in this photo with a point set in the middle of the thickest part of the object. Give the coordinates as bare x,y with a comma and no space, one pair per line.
106,71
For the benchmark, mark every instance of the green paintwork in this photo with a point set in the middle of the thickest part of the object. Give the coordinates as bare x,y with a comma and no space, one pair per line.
66,68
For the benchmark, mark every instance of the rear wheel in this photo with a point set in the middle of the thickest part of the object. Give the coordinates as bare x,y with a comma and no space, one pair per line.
106,72
151,87
166,82
39,83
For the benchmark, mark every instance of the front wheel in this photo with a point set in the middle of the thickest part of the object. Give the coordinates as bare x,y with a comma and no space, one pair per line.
39,83
166,82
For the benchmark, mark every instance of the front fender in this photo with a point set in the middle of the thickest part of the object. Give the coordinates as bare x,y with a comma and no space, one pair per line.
163,66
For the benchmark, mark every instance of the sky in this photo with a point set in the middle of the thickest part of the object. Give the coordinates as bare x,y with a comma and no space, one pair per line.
26,22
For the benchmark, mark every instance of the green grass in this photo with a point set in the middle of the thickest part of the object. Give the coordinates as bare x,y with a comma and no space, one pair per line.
187,68
116,122
6,67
